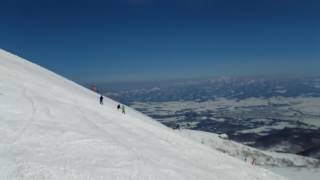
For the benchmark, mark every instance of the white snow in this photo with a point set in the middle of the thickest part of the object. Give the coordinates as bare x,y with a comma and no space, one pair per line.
54,129
246,153
292,166
297,173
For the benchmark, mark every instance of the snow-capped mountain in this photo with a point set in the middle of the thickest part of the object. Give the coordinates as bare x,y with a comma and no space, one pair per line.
54,129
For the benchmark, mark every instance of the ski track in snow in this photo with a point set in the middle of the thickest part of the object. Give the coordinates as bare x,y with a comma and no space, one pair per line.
30,120
105,132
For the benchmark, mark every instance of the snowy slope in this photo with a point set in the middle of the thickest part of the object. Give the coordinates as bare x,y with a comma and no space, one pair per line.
297,173
246,153
54,129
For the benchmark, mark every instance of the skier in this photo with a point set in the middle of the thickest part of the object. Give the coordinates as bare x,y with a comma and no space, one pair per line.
123,109
177,127
101,100
253,162
118,107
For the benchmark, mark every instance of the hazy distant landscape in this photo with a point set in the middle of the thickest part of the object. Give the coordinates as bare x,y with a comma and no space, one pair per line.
274,114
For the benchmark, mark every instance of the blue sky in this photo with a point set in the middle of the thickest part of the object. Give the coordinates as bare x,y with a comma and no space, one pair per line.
137,40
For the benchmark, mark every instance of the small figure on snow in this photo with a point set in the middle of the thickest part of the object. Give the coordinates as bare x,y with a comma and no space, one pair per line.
101,100
123,109
118,107
177,127
253,162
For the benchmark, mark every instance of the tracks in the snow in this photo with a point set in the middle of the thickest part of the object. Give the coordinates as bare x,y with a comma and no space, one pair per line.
134,151
30,119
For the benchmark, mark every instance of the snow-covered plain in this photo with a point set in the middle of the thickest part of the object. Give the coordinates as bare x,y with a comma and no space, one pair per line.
307,107
54,129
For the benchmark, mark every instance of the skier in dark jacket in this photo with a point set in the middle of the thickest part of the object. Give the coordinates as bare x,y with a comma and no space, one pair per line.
118,107
177,127
123,109
101,100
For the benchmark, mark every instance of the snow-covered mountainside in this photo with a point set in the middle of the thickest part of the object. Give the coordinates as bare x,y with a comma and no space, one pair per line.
54,129
247,153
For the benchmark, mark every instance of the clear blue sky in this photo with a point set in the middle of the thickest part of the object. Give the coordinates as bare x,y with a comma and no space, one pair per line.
128,40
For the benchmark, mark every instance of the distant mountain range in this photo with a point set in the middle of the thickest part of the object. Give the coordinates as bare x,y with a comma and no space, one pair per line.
204,90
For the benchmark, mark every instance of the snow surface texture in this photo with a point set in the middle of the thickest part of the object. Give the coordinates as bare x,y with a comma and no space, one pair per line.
246,153
54,129
297,173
